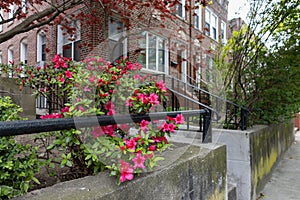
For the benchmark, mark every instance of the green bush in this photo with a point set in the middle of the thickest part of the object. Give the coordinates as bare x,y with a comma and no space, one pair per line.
18,163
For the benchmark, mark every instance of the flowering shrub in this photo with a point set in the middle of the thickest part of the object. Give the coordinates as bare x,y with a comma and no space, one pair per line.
96,87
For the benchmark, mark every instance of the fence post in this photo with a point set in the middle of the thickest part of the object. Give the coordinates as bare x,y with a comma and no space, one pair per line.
243,119
207,129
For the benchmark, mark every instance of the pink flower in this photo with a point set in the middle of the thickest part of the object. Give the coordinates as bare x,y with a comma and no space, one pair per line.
153,98
87,89
129,102
109,130
91,79
64,65
81,108
61,79
144,125
138,161
161,86
160,139
130,144
110,107
65,109
52,116
179,119
126,172
143,98
152,148
136,76
172,128
165,127
56,58
124,127
97,132
68,74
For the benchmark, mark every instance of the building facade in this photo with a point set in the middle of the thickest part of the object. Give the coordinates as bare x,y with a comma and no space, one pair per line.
182,45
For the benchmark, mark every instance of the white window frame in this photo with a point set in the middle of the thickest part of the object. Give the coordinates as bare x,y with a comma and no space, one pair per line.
223,32
11,11
212,20
147,48
182,4
24,6
39,48
61,40
198,13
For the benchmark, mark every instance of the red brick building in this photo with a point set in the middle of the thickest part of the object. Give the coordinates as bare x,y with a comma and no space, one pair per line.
181,46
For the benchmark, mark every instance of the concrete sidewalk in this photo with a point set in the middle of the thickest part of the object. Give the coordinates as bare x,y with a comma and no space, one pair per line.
285,180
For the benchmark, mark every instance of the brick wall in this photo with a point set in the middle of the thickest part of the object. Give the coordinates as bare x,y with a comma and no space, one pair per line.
94,38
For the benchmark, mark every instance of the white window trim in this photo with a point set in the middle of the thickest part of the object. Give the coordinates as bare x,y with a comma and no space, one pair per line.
209,21
60,40
12,10
183,14
157,54
223,26
39,44
199,14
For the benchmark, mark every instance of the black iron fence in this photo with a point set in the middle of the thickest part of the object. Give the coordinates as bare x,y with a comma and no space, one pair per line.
21,127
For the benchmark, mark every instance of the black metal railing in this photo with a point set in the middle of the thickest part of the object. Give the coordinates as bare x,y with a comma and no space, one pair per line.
235,115
21,127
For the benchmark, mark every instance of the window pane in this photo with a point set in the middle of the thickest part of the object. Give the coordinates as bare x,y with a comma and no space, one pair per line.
43,52
77,51
142,53
161,55
67,51
152,52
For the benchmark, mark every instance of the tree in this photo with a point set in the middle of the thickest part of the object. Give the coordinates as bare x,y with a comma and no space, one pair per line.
263,73
30,14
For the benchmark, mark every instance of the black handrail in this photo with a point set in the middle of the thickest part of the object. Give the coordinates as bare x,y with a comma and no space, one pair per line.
21,127
242,123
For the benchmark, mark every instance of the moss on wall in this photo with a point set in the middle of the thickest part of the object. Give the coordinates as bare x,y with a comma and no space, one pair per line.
267,146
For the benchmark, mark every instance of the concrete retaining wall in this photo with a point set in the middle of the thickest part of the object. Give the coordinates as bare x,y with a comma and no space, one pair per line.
188,172
252,155
24,98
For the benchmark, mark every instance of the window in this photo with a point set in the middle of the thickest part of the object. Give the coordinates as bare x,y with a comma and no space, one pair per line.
211,24
223,32
153,54
11,11
198,18
10,59
69,43
24,6
117,44
23,51
41,48
180,9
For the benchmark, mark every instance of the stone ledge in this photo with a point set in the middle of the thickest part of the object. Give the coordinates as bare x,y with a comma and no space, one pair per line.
188,172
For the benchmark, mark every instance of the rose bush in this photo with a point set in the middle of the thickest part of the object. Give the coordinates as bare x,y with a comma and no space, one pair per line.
96,87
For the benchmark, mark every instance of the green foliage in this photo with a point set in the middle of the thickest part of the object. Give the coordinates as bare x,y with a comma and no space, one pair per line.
8,110
263,72
18,163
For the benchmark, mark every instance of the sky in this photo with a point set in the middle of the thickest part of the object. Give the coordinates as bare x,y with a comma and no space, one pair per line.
238,8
